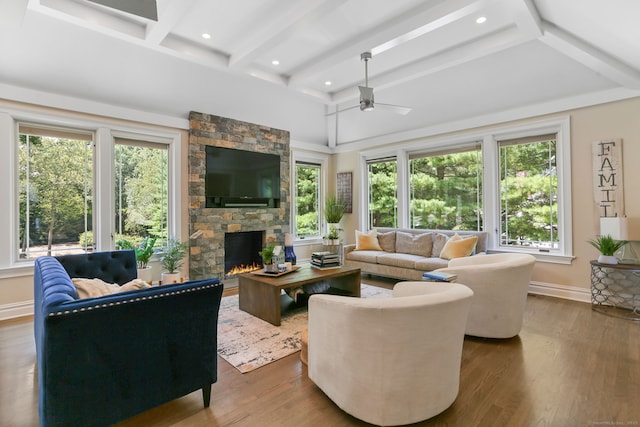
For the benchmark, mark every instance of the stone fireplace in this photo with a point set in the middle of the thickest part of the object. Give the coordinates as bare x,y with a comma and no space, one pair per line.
208,226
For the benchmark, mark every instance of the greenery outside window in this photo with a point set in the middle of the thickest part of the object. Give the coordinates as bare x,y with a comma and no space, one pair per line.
307,201
56,188
445,189
141,190
528,188
383,192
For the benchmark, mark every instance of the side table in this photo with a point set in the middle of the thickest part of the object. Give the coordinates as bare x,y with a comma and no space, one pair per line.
615,289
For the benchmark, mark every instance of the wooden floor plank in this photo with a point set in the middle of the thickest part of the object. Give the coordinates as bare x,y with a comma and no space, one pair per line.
569,366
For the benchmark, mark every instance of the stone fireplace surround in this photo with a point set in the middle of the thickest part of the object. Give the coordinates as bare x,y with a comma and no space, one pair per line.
209,225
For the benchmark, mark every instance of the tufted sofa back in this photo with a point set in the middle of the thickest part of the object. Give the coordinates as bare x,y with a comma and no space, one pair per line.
113,267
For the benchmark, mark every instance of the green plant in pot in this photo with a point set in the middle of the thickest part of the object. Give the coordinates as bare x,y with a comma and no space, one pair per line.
144,251
333,212
267,258
333,209
333,237
607,246
171,260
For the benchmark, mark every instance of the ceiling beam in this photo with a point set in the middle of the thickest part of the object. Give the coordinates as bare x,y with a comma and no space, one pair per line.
167,20
590,56
434,14
527,17
448,58
298,17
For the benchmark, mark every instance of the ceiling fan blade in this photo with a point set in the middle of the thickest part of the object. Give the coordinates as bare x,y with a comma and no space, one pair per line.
340,111
395,108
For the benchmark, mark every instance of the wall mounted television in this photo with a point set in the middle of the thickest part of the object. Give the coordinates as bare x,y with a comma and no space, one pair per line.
239,178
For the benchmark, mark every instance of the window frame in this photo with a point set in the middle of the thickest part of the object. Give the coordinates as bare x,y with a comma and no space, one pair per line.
105,131
322,161
489,138
561,127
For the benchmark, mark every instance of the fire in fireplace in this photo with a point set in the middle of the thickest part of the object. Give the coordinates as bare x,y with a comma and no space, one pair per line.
241,252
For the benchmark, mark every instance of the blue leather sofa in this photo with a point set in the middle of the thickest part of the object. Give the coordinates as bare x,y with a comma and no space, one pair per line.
102,360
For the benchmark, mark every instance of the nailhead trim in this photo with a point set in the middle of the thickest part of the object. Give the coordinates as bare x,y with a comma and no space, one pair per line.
164,294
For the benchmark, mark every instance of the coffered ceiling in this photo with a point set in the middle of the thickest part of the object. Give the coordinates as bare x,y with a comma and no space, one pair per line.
270,61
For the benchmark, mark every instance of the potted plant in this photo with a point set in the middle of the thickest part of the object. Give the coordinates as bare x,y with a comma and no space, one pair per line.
171,260
333,209
144,251
333,237
607,246
267,258
333,212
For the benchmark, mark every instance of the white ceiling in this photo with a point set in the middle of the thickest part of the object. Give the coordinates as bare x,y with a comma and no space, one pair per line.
529,57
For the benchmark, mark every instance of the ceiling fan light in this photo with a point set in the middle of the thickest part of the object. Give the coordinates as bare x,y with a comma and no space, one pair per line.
366,106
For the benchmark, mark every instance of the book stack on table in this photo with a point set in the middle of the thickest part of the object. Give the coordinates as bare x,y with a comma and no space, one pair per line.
325,260
439,276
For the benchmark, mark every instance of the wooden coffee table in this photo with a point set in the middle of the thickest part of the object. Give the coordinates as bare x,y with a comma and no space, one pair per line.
262,296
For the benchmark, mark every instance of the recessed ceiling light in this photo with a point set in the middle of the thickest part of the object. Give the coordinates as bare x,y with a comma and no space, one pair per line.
275,62
481,20
327,83
206,36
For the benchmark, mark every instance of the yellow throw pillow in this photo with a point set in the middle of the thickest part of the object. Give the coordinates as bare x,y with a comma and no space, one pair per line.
367,241
457,247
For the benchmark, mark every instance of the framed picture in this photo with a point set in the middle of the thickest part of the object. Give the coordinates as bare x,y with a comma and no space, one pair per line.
344,193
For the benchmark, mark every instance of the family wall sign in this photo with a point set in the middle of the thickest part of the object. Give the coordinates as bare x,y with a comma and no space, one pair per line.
607,178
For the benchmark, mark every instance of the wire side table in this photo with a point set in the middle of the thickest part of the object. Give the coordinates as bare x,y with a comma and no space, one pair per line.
615,289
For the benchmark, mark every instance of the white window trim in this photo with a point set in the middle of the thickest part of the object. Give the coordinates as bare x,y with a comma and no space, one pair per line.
322,160
562,127
105,132
491,203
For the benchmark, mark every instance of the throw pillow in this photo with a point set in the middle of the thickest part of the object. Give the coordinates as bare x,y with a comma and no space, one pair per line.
414,244
367,241
387,241
457,247
439,240
93,288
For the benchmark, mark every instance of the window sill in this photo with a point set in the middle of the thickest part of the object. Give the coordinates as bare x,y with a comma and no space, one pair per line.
547,257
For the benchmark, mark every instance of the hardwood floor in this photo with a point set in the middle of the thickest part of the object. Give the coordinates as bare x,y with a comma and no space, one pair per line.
569,366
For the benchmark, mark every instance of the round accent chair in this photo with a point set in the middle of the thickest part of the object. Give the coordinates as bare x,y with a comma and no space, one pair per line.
500,283
390,361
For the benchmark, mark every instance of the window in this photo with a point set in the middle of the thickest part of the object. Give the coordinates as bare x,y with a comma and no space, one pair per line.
445,189
65,185
307,202
55,191
514,182
383,192
528,189
141,190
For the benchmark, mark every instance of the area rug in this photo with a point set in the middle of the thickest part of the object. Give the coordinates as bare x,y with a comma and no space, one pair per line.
248,343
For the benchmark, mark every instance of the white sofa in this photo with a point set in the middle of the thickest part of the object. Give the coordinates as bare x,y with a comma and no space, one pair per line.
390,361
404,260
500,283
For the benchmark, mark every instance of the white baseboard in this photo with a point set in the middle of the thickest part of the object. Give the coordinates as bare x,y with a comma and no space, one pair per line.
15,310
560,291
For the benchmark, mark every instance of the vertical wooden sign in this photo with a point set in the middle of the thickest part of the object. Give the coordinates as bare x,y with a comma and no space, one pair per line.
608,186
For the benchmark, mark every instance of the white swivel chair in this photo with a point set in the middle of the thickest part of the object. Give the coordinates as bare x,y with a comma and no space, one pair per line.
500,283
390,361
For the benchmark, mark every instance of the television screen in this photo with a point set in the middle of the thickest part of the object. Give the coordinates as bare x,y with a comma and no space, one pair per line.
241,178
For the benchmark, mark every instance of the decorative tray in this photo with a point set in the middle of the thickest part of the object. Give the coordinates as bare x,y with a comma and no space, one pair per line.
261,272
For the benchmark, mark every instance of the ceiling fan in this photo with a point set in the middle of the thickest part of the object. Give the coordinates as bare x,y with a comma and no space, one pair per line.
366,94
